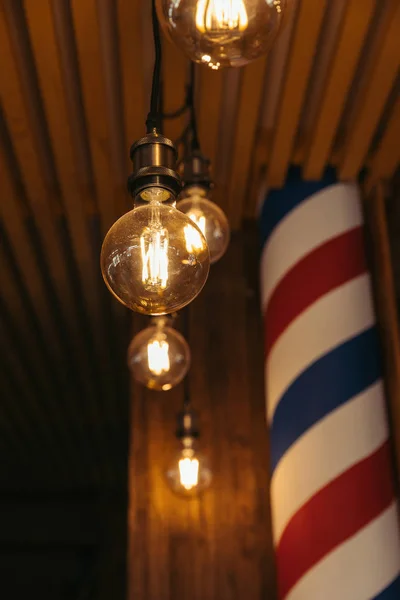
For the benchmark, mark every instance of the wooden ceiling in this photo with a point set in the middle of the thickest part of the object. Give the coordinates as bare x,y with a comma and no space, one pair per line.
74,87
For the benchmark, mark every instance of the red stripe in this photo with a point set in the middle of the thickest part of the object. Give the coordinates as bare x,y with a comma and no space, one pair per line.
325,268
333,515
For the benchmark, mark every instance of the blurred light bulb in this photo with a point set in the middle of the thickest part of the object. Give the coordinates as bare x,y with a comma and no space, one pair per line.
189,473
222,33
159,356
209,219
146,261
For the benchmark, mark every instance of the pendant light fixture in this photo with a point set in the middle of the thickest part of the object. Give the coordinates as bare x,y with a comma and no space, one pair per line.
194,199
159,356
189,472
154,259
222,33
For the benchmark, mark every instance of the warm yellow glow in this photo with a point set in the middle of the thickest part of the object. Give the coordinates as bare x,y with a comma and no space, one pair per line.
158,356
198,219
154,253
193,238
189,472
221,16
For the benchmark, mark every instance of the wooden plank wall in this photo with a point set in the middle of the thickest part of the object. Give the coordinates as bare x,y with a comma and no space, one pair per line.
217,547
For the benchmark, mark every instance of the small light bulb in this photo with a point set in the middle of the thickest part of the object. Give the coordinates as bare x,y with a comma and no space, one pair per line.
189,473
209,219
159,356
222,33
146,261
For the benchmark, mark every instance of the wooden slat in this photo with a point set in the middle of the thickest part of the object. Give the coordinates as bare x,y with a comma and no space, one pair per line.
110,192
341,72
132,70
304,43
386,306
175,72
208,103
252,84
387,155
225,138
20,109
381,72
58,116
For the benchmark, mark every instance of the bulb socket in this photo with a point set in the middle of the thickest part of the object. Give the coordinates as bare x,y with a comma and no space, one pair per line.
196,170
187,425
154,160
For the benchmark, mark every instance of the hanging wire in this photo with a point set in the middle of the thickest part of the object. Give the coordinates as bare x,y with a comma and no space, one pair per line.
193,122
153,120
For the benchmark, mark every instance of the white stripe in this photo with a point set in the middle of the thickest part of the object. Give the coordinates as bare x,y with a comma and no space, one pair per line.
322,216
337,442
360,568
330,321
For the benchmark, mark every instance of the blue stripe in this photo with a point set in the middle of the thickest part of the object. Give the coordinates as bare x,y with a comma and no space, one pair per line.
281,202
327,384
392,592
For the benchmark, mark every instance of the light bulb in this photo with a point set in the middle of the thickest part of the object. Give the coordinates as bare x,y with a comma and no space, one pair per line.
159,356
189,473
209,218
222,33
146,262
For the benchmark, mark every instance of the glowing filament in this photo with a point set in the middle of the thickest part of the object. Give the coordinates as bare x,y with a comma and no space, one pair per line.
193,238
158,356
189,472
154,252
199,220
215,16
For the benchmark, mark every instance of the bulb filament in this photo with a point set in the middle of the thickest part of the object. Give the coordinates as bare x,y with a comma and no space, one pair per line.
158,356
214,17
154,253
193,237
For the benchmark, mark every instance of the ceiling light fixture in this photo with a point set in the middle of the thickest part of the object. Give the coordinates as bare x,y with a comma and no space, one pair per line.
146,260
159,356
194,199
222,33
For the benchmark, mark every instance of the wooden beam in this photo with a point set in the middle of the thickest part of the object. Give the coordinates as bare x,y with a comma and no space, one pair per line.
355,26
131,55
307,29
22,113
386,158
386,306
251,90
208,104
380,74
110,190
175,73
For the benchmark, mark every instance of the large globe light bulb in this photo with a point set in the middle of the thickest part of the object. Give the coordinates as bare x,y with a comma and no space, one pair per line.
222,33
209,218
155,259
159,356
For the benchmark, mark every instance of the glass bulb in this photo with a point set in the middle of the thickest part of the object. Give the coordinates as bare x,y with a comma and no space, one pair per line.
222,33
209,218
189,473
159,357
146,261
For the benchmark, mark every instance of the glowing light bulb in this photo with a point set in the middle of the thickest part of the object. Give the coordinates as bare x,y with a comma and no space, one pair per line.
159,356
209,219
222,33
146,262
189,473
220,19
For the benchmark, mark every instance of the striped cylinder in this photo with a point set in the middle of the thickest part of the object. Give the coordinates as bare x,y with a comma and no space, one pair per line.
335,519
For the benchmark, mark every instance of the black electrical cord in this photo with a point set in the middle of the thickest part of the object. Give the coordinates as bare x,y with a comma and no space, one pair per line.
153,120
193,122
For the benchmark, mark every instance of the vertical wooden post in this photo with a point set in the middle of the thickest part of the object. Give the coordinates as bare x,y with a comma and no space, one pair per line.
385,299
